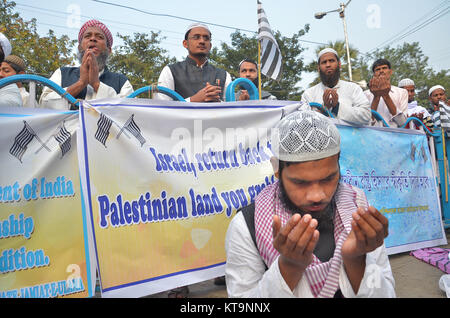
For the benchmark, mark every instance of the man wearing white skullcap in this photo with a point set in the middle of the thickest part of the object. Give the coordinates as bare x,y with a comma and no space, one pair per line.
92,79
414,110
307,235
344,99
195,79
10,94
441,108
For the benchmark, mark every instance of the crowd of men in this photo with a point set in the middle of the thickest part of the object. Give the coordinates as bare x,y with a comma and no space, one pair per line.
308,234
196,80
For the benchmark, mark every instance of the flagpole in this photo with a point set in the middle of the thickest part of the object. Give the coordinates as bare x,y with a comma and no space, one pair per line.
445,164
259,69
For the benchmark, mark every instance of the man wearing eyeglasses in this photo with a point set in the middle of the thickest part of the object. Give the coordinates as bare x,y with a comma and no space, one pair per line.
195,78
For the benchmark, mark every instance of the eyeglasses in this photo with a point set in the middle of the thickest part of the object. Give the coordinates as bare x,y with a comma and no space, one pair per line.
197,37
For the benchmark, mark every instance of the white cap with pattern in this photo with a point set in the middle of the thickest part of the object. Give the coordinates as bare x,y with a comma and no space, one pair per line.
305,136
406,82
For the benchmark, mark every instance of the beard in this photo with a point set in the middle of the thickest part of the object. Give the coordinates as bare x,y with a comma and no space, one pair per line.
330,80
101,59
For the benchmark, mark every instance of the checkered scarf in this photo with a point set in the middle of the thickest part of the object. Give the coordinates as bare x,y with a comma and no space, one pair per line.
323,278
101,26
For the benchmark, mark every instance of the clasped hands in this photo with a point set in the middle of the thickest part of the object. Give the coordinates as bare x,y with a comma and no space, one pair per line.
297,240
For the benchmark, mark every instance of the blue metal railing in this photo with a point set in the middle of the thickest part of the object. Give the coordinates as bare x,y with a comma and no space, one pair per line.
160,89
230,95
39,79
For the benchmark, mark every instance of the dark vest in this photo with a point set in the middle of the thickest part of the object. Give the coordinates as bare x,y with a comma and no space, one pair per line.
189,78
70,75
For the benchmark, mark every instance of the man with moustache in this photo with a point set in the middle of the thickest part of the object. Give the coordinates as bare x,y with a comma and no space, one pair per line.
92,79
249,69
195,79
345,100
308,234
390,101
10,94
414,109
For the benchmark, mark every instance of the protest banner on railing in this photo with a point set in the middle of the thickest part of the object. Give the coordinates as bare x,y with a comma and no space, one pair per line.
394,168
43,231
161,181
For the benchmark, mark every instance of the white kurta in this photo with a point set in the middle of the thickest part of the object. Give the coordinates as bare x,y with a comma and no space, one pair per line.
246,275
166,80
51,99
400,98
354,106
10,96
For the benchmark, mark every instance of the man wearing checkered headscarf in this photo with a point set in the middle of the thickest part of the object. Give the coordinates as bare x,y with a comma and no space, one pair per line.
304,236
92,79
10,94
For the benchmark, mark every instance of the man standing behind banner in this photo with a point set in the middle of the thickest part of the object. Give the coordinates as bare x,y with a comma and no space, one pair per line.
345,100
414,110
92,79
441,109
249,69
389,101
308,234
10,94
195,79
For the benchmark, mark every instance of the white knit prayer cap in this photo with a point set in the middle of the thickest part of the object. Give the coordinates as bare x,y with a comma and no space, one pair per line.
6,45
325,51
197,25
406,82
435,88
305,136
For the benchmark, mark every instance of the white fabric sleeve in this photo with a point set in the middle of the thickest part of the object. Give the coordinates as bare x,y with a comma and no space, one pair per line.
377,282
359,111
245,270
10,96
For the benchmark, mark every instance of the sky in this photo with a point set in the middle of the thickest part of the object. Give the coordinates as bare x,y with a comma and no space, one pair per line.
371,23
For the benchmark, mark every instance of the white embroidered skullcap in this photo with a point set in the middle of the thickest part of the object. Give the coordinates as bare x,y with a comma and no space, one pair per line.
197,25
406,82
327,50
305,136
435,88
6,45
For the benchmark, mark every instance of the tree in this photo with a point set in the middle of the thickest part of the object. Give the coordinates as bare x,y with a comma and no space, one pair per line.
408,61
42,55
229,56
140,58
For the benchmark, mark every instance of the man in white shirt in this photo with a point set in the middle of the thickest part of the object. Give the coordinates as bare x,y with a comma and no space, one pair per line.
391,102
195,79
414,109
10,94
308,235
92,80
345,100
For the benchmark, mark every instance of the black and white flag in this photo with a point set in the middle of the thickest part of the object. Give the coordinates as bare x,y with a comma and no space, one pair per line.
104,125
271,61
22,140
64,138
134,129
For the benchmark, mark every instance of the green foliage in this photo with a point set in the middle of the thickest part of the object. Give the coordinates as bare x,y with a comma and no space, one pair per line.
42,55
140,58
